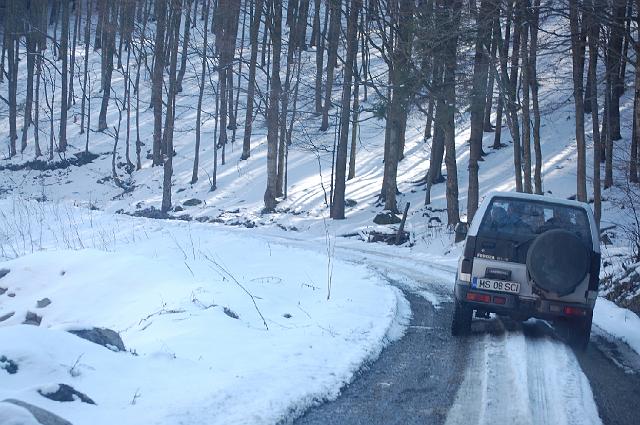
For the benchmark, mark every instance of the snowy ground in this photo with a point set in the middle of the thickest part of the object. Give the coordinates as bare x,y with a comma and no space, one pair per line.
199,351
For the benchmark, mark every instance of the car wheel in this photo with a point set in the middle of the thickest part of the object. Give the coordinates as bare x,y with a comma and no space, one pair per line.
462,316
580,332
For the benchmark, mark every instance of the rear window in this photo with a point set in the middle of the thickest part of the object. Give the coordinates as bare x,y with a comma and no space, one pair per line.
523,219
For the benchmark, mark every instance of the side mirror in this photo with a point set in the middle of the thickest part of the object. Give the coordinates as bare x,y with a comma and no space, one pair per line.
461,230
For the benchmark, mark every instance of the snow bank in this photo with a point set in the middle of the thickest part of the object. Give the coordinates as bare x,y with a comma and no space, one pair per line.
199,350
619,322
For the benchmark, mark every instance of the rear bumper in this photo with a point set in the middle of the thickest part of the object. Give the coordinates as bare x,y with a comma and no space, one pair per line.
513,305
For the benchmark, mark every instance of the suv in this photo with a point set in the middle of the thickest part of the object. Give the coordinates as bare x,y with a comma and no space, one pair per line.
529,256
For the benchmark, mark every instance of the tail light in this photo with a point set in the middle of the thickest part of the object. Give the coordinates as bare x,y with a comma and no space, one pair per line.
574,311
472,296
499,300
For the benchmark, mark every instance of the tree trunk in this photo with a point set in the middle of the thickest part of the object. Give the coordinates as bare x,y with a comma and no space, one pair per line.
185,44
577,53
512,99
478,101
72,65
64,52
108,50
614,59
196,157
593,27
171,106
332,58
273,106
494,51
36,22
526,83
337,211
453,209
87,38
13,43
502,71
533,78
251,85
320,43
160,10
434,174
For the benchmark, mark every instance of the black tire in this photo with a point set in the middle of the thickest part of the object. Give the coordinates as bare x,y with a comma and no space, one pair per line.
576,331
462,316
558,261
580,332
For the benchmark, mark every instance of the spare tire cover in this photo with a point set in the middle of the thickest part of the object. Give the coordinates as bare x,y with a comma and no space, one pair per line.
557,261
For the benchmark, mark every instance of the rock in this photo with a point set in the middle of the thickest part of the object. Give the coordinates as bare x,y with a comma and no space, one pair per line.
386,217
192,202
350,203
178,208
11,294
43,303
230,313
44,417
7,316
3,290
102,336
32,319
4,272
9,365
65,393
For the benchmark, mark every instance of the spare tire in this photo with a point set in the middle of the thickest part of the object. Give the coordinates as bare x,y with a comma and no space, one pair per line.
557,261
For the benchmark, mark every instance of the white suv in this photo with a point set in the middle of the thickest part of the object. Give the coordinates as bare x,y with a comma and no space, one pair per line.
530,256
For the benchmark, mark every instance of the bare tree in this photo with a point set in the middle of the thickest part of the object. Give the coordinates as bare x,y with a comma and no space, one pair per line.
337,211
275,28
251,84
160,10
196,157
577,53
176,6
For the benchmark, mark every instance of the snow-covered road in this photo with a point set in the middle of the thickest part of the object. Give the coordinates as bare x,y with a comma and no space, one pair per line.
520,374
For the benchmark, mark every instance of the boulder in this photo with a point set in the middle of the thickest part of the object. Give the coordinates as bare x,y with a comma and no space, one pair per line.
4,272
386,217
7,316
101,336
9,365
43,417
43,303
65,393
32,319
192,202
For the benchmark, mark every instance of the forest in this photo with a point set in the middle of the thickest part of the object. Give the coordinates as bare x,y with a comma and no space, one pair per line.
305,67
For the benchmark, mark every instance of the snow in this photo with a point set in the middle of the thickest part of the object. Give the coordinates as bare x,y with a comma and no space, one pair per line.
10,414
515,379
618,322
166,292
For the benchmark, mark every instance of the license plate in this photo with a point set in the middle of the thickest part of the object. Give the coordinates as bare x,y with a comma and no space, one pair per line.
495,285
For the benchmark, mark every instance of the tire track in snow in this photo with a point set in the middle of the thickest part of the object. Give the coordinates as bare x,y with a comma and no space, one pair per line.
520,374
